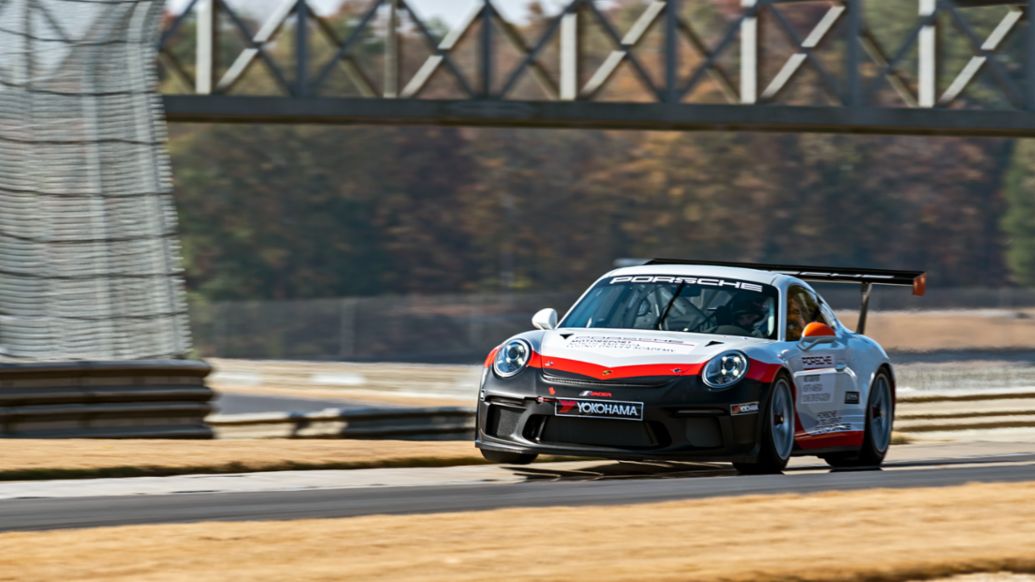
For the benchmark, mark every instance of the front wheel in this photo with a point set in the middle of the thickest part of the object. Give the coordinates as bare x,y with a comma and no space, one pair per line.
505,458
880,412
777,432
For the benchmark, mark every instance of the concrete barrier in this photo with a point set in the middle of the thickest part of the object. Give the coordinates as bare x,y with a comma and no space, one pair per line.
138,398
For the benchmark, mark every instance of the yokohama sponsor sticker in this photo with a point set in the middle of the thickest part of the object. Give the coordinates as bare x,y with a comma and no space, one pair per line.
745,408
599,409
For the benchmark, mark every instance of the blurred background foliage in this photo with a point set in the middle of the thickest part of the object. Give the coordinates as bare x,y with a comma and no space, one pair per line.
279,211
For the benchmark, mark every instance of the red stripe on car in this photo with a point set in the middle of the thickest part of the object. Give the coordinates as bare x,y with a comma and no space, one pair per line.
853,438
762,371
613,373
491,356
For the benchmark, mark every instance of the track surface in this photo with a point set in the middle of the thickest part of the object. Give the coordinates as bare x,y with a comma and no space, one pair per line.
229,403
352,493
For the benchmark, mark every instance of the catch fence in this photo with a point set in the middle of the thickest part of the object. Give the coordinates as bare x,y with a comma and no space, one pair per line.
461,328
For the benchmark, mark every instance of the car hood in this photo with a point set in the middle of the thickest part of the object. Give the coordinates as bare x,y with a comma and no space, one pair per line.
618,347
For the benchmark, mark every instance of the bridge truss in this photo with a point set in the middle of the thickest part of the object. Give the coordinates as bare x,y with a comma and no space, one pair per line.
952,67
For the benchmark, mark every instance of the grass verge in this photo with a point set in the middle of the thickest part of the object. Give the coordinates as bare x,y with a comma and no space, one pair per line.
875,535
39,459
86,458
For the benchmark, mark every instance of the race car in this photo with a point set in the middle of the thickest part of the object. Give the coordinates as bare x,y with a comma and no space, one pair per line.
696,361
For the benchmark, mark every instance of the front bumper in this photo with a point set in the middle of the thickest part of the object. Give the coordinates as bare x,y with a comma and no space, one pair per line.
682,418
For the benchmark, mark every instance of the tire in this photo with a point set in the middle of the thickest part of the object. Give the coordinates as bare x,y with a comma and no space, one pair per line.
777,432
880,415
504,458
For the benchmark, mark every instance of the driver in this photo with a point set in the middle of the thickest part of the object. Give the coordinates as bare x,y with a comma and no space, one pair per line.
746,312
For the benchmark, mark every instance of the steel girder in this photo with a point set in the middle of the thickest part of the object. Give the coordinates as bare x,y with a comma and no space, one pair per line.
769,65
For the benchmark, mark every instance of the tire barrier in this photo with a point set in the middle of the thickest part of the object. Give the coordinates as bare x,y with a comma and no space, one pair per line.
127,399
446,423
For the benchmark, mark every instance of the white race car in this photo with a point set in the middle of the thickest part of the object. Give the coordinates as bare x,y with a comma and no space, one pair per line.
696,360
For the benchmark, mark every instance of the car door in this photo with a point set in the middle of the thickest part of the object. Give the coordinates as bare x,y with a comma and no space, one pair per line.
822,375
854,375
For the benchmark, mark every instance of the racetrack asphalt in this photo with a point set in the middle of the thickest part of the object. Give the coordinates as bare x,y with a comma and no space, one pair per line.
296,495
231,403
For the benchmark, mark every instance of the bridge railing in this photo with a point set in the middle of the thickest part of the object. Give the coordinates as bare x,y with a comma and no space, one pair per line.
844,58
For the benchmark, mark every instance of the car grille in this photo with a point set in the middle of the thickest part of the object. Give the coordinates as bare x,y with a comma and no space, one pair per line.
502,421
559,430
589,383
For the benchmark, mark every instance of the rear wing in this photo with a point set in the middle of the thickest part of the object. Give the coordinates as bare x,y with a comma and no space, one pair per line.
867,278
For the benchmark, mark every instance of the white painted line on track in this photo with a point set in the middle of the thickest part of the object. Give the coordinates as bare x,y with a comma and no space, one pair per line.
914,456
254,482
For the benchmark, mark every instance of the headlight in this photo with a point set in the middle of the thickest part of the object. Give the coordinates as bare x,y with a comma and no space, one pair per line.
725,369
511,358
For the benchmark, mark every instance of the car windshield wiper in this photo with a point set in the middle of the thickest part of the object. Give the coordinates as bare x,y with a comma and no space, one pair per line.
664,314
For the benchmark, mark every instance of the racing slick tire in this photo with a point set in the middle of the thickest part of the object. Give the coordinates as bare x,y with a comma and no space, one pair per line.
777,434
504,458
880,414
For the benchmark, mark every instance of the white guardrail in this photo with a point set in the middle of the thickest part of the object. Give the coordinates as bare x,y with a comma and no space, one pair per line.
935,411
928,416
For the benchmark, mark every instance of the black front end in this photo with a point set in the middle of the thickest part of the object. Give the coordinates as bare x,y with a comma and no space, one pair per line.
653,418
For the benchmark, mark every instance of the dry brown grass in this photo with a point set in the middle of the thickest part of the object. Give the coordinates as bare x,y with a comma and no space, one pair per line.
38,459
919,331
870,535
372,396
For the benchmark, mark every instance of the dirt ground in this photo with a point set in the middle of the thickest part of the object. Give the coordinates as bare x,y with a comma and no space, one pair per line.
50,458
924,331
901,534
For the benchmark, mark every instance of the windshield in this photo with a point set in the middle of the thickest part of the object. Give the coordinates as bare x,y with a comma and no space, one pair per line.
675,303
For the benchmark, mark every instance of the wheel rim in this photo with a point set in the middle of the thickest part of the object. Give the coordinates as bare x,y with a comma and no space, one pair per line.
880,414
781,420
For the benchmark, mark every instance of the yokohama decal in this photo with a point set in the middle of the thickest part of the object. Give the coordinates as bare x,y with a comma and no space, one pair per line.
599,409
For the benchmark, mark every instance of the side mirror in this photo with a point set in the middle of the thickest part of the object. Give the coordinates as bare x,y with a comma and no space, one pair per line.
545,318
817,333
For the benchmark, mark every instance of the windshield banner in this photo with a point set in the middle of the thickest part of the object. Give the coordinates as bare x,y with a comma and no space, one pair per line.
703,281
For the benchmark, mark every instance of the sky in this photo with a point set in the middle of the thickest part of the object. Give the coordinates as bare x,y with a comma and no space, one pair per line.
449,11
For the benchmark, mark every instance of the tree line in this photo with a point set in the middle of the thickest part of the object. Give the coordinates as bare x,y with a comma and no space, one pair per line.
315,211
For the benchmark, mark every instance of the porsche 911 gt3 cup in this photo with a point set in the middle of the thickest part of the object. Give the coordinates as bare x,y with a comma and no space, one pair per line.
681,360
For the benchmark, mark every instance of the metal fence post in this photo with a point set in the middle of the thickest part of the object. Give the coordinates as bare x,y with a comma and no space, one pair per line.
347,328
207,46
927,84
749,53
570,54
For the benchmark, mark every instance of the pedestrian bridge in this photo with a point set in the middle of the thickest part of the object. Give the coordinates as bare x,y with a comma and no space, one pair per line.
953,67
